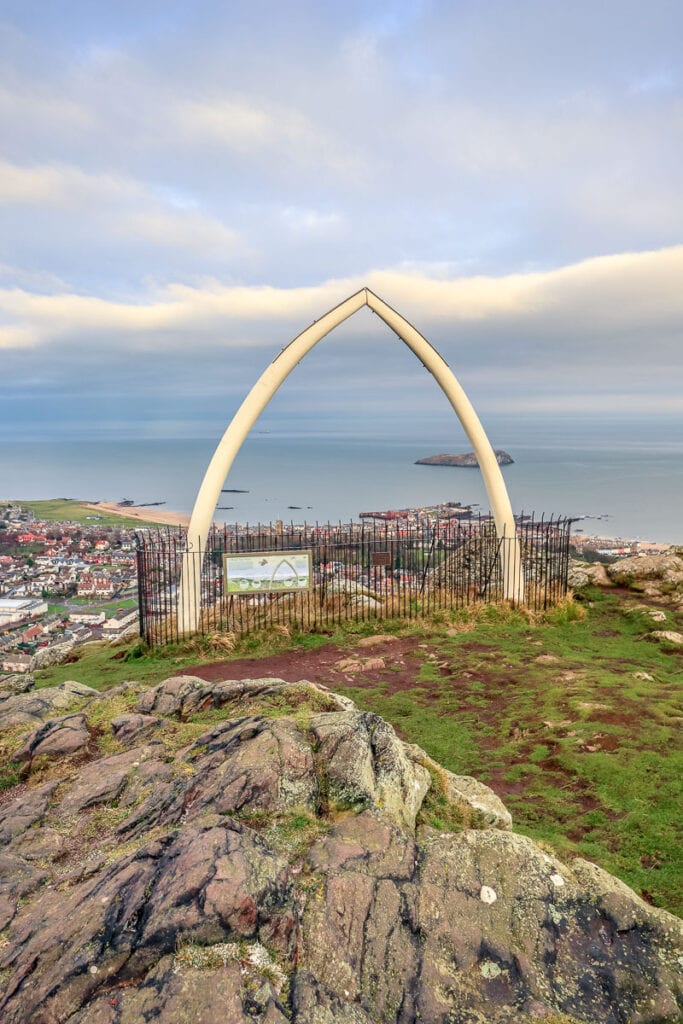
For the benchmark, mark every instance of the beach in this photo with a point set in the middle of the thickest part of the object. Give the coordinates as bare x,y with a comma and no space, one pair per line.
147,515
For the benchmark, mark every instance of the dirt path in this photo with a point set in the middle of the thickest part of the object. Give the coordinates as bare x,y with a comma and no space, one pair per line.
394,663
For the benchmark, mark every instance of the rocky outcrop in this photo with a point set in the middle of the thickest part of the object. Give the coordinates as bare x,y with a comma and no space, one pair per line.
259,851
656,576
668,568
585,574
31,706
468,459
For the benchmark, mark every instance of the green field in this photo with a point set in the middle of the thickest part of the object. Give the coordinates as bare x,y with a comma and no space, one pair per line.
63,509
109,607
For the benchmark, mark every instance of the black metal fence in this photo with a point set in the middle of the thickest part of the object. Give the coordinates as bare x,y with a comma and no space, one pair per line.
367,570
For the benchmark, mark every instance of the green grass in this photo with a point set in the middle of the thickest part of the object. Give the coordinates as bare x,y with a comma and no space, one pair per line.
586,756
63,509
110,607
102,666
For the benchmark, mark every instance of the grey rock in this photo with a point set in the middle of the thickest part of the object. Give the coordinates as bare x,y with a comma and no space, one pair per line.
17,880
79,689
53,655
41,844
20,682
666,567
253,764
28,809
206,885
366,764
128,728
182,696
169,993
58,737
668,636
163,904
37,705
480,806
584,574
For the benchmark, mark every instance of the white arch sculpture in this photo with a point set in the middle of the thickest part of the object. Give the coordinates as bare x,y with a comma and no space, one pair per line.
263,390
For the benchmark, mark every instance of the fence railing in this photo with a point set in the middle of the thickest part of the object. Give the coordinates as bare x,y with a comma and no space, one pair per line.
367,570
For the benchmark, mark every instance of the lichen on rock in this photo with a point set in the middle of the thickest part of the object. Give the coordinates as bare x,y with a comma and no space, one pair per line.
259,851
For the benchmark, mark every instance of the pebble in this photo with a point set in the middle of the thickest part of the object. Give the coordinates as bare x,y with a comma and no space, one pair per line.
487,894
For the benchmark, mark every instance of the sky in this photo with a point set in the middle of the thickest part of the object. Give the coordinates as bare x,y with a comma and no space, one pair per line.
184,187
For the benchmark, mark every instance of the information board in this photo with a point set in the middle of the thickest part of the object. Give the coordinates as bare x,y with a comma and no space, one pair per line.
268,572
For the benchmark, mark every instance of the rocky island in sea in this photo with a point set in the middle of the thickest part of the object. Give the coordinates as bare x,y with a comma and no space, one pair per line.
468,459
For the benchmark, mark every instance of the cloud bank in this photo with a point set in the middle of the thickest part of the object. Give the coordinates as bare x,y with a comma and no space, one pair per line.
183,188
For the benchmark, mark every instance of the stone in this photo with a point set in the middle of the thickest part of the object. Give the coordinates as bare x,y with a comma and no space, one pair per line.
349,665
206,885
182,696
79,689
364,601
270,869
488,809
366,764
41,844
585,574
169,992
20,682
33,707
93,787
667,567
58,737
53,655
17,880
378,638
127,728
253,764
668,636
411,944
354,665
28,809
478,803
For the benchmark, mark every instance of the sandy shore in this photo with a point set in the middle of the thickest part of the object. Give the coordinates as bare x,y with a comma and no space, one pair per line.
149,515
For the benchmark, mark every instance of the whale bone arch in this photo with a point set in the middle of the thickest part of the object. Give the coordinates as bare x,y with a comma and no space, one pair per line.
265,388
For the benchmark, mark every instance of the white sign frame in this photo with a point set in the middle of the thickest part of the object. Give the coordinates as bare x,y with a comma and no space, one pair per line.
268,572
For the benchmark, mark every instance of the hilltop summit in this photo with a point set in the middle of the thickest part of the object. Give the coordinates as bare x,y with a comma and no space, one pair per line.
258,850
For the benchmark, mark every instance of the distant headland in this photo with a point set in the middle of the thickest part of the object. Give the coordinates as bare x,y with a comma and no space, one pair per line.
468,459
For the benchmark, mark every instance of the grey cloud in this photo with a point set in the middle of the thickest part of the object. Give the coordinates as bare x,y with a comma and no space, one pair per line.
157,156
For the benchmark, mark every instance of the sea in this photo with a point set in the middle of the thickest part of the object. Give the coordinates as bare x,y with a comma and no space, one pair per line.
619,478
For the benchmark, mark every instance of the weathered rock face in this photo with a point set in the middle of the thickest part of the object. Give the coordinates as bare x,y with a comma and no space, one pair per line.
584,574
668,568
259,851
31,706
656,576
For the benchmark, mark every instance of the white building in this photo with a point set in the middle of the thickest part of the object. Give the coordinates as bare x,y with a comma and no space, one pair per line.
20,609
88,618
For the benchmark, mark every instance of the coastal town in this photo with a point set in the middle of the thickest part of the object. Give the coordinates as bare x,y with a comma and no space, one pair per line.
62,584
66,583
